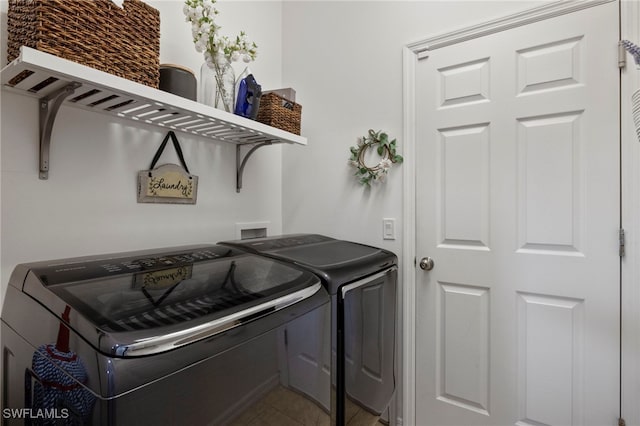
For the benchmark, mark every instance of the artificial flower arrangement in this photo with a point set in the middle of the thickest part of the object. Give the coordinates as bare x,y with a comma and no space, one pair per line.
218,50
386,149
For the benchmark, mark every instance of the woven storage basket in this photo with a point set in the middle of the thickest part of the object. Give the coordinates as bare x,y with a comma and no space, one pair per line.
97,33
280,113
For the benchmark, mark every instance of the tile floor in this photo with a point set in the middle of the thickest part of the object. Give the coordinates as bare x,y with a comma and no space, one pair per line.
283,407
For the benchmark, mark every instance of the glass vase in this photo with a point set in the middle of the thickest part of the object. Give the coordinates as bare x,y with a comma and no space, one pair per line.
207,86
217,84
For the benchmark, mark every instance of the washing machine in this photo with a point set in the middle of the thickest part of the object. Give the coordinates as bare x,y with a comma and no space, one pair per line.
183,335
362,283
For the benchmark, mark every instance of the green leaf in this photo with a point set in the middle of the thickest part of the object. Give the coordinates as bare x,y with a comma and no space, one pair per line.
380,150
384,139
398,159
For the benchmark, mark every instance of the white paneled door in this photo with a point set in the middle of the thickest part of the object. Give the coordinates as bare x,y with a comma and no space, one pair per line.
518,205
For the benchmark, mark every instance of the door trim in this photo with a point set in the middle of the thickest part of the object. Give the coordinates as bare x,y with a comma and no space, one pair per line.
540,13
411,54
630,80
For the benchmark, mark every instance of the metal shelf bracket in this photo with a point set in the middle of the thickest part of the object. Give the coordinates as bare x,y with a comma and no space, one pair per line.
241,163
48,108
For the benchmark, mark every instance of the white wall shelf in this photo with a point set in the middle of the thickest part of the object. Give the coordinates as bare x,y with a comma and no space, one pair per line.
56,81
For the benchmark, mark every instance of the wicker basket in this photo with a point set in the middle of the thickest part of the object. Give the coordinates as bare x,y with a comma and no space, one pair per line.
97,33
280,113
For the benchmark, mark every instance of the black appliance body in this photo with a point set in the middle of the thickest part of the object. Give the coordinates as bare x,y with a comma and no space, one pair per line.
182,335
362,282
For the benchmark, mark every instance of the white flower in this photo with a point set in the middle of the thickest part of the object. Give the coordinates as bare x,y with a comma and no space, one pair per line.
360,141
205,28
386,164
354,163
204,31
200,46
207,5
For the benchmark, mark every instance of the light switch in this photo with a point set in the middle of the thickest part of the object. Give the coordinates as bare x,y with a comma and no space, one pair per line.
389,229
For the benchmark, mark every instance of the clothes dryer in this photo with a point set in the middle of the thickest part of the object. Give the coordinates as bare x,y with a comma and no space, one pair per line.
362,283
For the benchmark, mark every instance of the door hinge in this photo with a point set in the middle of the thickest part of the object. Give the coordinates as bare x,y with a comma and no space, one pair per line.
622,55
621,422
621,241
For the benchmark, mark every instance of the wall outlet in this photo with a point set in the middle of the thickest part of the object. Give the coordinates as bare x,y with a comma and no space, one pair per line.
389,229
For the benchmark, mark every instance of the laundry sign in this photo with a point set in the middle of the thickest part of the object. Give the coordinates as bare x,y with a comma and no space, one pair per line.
169,183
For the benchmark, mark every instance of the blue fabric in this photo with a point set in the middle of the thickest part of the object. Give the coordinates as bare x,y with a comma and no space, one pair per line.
57,389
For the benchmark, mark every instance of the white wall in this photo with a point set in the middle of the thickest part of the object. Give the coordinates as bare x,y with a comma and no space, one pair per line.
88,205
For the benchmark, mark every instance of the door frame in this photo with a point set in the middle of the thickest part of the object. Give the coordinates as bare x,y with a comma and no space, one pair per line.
630,268
630,79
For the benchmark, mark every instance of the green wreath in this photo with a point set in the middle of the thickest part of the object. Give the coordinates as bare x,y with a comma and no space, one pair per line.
386,149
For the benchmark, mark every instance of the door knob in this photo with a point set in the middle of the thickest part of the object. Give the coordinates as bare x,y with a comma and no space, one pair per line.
426,263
